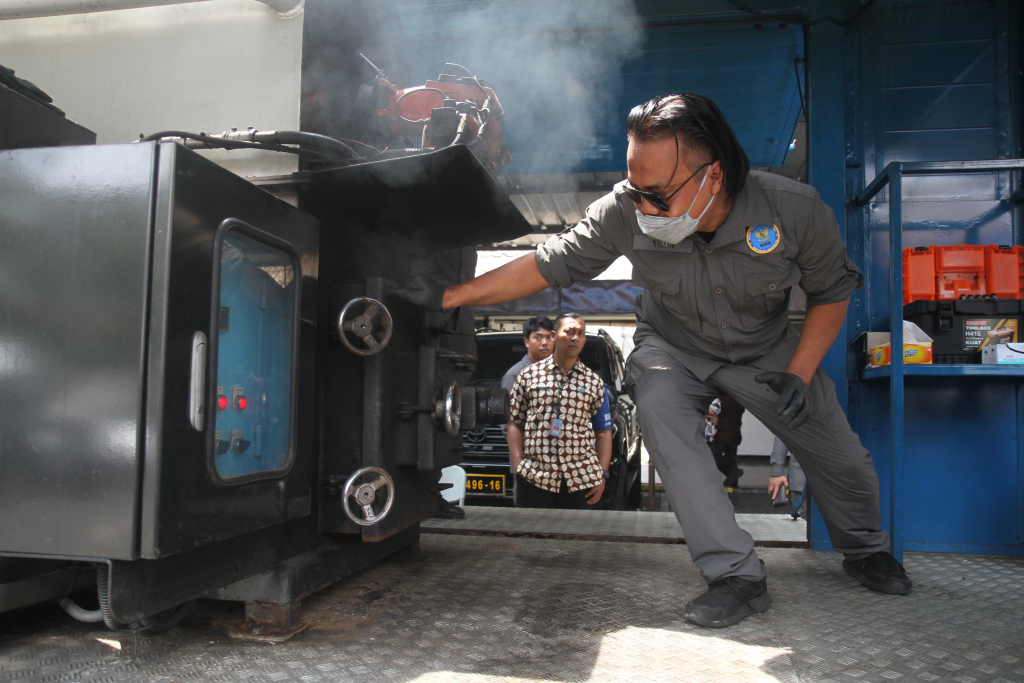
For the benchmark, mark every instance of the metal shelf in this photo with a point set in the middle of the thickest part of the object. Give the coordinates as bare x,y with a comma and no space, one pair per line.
947,371
892,175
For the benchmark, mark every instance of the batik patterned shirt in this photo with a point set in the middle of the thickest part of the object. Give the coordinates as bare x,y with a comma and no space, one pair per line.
541,394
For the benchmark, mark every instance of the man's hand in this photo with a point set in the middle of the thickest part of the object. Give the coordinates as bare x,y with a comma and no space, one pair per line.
594,494
794,406
776,483
515,438
424,292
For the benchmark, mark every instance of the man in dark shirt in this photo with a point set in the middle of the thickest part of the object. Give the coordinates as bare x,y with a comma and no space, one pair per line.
713,320
539,337
727,440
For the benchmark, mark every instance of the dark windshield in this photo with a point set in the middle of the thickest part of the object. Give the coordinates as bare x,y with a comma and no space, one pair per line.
497,354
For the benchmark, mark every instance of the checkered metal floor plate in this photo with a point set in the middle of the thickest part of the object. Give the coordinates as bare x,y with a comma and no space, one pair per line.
777,531
490,608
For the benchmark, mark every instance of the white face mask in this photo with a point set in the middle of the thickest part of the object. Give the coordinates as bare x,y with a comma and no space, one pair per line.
673,229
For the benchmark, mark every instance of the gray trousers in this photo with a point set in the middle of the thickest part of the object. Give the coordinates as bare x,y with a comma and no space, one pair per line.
671,403
797,478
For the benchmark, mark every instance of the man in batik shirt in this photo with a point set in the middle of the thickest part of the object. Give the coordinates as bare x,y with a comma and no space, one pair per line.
559,459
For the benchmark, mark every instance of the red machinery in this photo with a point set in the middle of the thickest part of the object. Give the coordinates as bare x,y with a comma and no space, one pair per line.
457,108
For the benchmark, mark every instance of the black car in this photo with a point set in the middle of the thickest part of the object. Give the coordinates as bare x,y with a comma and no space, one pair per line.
485,451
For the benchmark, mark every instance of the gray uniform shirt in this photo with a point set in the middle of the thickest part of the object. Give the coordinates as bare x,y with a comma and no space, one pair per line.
509,380
720,302
778,458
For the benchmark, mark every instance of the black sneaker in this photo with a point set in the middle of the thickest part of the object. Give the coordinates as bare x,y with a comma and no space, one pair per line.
728,601
732,480
446,510
880,572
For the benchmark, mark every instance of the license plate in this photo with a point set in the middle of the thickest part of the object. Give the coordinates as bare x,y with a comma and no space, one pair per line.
486,483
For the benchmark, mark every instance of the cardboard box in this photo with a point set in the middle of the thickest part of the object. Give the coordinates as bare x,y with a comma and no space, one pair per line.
917,347
1003,354
914,353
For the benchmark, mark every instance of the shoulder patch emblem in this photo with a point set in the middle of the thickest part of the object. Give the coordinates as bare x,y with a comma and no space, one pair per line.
762,239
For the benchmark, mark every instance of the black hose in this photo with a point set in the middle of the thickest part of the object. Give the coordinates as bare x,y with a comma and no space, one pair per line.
330,145
146,626
202,137
211,142
103,592
324,147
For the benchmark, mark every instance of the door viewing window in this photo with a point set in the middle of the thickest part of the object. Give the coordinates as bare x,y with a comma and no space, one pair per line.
256,329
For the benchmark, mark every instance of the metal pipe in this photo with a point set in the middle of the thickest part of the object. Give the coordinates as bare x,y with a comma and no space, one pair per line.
26,9
88,616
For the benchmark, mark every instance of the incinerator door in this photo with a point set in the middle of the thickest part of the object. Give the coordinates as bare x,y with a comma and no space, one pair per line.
231,442
399,407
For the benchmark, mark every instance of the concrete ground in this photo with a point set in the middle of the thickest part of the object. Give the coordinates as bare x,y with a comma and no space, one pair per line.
501,608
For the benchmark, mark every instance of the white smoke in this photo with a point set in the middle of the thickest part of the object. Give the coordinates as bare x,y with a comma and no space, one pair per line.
555,65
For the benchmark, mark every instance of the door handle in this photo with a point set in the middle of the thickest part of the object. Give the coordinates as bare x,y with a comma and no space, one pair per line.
197,387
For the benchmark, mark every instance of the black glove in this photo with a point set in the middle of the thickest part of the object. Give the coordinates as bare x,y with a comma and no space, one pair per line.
794,405
423,292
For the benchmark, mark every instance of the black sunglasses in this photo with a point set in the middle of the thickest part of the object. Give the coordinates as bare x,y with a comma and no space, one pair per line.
661,204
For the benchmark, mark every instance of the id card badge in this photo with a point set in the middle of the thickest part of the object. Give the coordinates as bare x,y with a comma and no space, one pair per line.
556,426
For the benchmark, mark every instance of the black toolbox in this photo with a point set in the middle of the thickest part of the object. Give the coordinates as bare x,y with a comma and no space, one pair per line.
961,328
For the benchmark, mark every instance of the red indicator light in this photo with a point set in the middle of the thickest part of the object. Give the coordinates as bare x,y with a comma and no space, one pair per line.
222,402
242,403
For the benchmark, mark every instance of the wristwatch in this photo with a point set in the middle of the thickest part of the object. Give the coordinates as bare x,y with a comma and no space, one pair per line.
606,473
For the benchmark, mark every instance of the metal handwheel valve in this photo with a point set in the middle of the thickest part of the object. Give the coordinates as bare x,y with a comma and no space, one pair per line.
365,495
372,326
448,409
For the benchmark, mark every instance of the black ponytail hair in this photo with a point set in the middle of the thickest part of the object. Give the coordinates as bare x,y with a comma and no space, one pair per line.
700,129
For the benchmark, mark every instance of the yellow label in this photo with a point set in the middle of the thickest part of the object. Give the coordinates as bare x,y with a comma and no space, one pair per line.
485,483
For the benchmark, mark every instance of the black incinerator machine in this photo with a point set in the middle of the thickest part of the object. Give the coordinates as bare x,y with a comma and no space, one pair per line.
209,391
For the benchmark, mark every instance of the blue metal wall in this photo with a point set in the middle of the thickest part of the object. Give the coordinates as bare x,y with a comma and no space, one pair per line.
910,80
932,82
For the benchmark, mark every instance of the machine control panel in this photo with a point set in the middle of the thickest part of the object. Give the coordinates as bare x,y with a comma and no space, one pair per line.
255,356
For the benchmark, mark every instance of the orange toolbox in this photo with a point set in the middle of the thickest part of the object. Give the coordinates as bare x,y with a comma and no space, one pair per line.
944,273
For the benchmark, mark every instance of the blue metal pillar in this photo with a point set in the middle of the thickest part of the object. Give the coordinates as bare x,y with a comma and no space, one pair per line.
896,360
826,170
